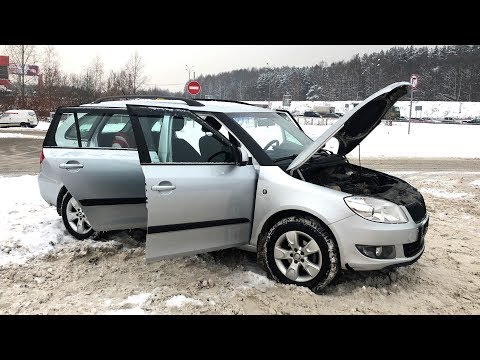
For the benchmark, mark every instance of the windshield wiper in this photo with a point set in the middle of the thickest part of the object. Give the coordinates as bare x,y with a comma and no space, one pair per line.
290,157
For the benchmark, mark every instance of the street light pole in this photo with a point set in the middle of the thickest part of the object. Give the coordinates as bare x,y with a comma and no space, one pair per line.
410,116
189,69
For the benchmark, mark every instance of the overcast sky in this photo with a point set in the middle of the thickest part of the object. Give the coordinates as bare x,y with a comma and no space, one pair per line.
166,65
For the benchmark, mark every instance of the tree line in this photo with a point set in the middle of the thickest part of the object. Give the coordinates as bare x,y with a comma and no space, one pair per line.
446,73
59,88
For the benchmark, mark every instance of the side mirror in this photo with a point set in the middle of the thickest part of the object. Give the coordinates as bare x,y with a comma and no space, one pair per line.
244,158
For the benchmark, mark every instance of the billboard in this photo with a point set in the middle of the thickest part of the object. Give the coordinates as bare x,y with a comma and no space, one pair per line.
29,70
4,61
3,72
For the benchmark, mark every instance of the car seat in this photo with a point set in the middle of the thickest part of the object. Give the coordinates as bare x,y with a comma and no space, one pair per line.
208,144
182,151
123,140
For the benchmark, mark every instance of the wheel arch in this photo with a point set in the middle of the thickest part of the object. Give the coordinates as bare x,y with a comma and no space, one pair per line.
60,196
287,213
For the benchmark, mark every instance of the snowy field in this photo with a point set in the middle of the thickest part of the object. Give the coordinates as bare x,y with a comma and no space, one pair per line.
424,140
430,109
43,270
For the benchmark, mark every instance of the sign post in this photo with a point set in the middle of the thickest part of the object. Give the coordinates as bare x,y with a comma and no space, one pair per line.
414,82
193,87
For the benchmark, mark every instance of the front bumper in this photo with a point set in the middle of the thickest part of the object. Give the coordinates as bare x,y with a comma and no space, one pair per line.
408,239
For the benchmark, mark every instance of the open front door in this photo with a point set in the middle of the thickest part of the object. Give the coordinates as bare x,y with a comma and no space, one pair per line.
198,196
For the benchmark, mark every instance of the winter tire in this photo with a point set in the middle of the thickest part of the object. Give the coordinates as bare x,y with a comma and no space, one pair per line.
74,218
299,250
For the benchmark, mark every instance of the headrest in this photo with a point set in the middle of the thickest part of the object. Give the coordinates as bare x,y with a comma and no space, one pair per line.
178,123
210,120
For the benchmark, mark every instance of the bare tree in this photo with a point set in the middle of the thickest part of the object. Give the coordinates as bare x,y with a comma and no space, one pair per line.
96,71
51,76
135,72
21,55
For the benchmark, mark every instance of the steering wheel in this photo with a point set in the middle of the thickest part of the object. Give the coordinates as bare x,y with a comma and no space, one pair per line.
218,153
270,144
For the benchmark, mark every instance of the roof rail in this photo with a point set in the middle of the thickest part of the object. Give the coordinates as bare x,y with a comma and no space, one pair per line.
231,101
189,102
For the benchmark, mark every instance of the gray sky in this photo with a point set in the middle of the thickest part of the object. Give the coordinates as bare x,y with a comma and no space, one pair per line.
165,65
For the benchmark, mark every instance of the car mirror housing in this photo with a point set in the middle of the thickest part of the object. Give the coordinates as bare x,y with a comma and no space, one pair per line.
244,158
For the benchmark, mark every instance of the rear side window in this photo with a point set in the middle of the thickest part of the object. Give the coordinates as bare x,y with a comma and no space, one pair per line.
85,123
90,127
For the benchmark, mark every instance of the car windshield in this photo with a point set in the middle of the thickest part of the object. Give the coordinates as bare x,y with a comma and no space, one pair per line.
279,136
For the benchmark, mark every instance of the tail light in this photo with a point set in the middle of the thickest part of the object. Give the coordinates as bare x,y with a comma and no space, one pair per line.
41,156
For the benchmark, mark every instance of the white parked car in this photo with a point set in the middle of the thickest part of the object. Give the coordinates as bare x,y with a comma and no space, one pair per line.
23,118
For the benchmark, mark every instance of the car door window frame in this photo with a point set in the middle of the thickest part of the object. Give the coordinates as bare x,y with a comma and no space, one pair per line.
148,110
50,141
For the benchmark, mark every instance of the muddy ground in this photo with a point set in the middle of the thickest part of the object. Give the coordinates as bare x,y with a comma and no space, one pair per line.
109,275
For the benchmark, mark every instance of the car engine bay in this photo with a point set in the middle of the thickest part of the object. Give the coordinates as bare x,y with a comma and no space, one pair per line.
335,172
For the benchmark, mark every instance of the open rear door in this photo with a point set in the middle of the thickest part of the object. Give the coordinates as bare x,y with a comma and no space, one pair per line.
196,202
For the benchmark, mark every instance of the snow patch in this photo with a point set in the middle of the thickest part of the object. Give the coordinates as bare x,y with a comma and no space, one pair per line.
475,183
179,301
138,299
132,311
5,135
441,193
29,226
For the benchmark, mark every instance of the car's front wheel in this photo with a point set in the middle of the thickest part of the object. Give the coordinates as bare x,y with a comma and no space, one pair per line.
74,218
299,250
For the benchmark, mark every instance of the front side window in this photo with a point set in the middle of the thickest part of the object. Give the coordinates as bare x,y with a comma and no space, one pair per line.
182,139
278,136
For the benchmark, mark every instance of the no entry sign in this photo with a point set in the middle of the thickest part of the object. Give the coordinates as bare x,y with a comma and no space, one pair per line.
414,80
193,87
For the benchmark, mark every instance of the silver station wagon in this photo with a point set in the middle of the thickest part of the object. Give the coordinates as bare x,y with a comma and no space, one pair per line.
202,175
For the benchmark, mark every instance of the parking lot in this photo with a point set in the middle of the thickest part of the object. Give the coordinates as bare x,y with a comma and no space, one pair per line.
109,275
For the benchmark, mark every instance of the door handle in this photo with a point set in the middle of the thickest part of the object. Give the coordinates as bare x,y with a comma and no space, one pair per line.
163,187
70,166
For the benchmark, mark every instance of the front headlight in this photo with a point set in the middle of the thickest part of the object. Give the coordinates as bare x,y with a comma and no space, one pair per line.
377,210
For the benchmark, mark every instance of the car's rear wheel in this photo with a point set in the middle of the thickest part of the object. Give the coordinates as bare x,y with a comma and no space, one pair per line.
74,218
299,250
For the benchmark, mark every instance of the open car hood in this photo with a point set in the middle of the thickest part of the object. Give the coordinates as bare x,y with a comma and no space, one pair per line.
356,124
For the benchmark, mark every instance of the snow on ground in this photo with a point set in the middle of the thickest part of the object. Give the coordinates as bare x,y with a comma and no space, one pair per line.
16,135
443,193
43,270
179,301
424,140
131,306
475,183
41,126
431,109
138,299
30,227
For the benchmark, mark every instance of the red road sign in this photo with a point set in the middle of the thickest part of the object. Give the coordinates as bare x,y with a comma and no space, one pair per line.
414,81
193,87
